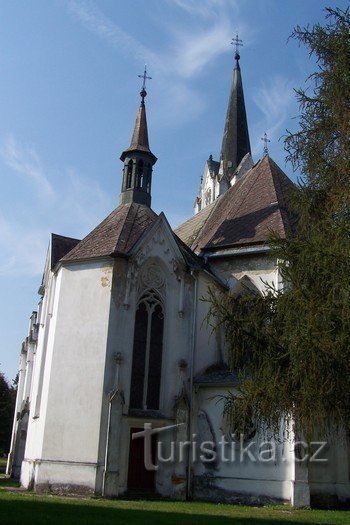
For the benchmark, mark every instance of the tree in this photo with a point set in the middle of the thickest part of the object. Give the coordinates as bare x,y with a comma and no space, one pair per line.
292,347
7,407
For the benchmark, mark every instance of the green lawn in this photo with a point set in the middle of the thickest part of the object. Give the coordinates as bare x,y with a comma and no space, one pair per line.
25,507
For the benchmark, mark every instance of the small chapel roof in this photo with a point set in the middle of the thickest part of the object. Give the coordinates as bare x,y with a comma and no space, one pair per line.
115,235
246,214
118,234
60,246
139,140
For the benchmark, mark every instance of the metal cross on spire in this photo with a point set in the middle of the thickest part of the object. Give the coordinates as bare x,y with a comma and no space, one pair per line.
145,77
265,140
237,42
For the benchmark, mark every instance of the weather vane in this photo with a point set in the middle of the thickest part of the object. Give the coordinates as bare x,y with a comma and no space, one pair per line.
237,42
145,77
265,140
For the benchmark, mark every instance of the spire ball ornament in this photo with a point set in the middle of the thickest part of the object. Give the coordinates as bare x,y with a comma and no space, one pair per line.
237,42
143,91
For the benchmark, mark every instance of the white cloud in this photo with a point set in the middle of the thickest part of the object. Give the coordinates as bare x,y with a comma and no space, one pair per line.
26,162
274,99
190,47
195,51
22,248
205,8
94,20
73,209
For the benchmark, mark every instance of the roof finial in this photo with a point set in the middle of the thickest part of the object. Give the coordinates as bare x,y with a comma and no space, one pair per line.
237,42
265,140
143,91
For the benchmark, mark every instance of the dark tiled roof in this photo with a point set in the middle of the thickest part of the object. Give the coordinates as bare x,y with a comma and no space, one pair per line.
246,214
139,139
235,142
189,230
116,235
60,246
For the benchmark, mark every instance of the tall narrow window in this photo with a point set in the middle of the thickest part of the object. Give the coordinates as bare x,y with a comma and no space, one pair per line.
147,353
129,174
148,179
139,173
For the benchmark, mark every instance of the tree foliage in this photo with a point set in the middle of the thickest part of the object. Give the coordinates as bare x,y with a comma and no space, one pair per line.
7,407
292,346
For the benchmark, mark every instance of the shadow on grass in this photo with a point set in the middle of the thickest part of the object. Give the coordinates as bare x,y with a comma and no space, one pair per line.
43,513
26,509
8,482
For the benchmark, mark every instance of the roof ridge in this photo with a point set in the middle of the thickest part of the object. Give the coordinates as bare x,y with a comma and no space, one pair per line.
240,183
87,237
280,195
119,241
214,205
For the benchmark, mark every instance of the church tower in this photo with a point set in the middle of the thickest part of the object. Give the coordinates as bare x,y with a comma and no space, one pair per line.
235,157
138,159
235,142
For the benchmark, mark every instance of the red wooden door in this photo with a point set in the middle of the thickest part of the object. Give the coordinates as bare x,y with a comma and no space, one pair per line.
138,477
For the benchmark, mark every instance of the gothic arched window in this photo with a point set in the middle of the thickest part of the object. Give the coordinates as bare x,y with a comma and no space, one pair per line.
147,352
139,174
129,174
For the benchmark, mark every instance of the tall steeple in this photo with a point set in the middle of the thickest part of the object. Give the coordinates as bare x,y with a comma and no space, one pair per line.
138,159
235,142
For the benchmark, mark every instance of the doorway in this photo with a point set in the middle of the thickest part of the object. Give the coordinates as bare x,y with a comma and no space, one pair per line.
140,479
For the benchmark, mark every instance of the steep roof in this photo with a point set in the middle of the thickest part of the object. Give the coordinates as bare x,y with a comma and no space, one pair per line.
189,230
60,246
116,235
235,142
246,214
139,139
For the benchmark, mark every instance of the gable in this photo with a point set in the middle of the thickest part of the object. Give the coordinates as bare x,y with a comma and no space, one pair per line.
247,213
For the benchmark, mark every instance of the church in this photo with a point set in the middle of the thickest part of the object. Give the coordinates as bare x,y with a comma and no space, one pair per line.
120,343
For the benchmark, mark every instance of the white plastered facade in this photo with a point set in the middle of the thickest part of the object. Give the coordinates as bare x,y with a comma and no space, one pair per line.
79,420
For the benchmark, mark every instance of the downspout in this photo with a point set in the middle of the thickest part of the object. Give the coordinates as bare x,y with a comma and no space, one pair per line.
111,396
190,410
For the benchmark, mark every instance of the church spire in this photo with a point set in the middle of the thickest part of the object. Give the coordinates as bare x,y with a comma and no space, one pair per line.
138,158
235,142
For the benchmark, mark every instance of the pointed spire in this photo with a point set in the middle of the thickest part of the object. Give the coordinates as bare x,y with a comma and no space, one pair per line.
235,142
139,139
138,158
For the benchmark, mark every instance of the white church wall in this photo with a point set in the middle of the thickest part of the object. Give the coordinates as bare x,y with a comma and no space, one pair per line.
208,344
13,461
260,269
73,380
239,475
40,382
330,480
157,264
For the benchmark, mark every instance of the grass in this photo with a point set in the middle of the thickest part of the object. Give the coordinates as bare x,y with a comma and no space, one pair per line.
29,508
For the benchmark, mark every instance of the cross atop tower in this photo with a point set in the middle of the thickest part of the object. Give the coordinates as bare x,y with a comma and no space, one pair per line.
143,92
237,42
265,140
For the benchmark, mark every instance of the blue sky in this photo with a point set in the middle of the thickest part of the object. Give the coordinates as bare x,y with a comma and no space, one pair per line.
69,93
